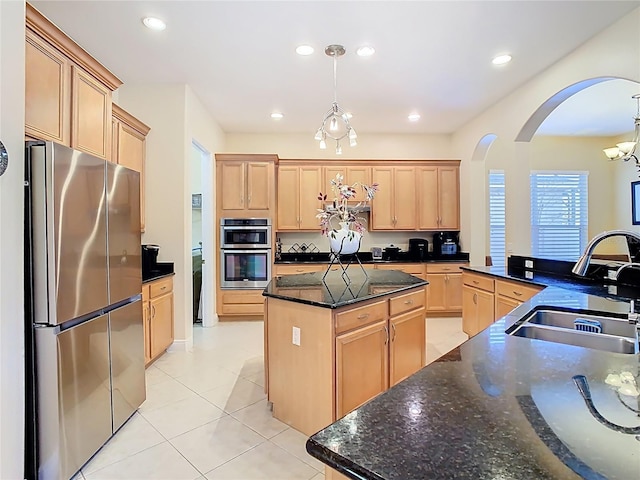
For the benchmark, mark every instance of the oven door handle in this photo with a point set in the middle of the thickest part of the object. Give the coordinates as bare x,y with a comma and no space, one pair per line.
246,250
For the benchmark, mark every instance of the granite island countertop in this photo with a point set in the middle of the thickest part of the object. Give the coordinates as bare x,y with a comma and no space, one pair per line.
333,291
498,406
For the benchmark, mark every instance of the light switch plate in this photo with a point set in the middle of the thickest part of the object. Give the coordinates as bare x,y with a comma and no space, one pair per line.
295,336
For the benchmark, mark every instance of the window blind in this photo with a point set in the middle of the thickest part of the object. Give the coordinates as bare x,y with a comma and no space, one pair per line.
558,214
497,242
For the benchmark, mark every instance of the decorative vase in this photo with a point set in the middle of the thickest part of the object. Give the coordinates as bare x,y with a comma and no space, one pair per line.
344,241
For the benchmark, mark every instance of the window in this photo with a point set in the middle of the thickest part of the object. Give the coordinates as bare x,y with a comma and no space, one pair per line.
497,244
558,214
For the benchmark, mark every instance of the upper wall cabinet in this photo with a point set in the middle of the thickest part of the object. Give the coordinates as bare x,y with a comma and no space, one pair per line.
67,92
353,174
298,204
246,185
129,148
438,197
394,206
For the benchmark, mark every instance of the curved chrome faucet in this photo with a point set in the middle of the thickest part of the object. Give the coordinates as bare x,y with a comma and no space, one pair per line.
585,392
582,265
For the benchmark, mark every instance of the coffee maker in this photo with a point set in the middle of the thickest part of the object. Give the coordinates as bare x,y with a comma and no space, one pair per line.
446,243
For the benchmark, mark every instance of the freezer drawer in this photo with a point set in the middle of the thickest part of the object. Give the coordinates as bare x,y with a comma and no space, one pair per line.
74,395
127,361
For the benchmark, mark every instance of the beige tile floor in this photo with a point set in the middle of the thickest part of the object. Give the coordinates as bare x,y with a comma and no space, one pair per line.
206,415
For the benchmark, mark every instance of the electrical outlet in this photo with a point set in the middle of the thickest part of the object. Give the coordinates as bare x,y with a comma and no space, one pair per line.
295,336
528,264
611,274
528,275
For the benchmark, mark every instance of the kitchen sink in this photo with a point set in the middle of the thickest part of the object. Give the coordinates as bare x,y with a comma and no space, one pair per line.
600,332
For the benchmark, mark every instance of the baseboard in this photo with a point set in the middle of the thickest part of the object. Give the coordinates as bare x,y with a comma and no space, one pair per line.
181,345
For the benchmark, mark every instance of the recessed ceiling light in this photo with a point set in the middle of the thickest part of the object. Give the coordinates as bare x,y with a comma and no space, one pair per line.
277,115
501,59
414,117
365,51
304,50
154,23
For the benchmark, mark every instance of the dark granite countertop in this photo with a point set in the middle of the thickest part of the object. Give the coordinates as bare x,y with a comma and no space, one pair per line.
334,292
162,269
496,407
365,257
575,284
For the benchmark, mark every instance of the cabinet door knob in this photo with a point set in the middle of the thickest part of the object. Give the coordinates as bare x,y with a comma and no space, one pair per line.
475,298
393,327
386,332
153,311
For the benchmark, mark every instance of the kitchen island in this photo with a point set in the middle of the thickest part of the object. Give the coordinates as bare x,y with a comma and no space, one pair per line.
498,406
332,343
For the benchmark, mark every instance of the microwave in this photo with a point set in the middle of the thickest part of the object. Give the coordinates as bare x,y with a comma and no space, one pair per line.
245,233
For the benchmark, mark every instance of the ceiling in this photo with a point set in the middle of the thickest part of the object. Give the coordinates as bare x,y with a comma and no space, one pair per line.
432,58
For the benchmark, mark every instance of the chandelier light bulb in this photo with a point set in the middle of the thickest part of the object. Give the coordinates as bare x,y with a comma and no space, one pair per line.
626,147
626,151
335,123
612,153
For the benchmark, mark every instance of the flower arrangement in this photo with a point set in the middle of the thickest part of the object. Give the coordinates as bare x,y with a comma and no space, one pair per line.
339,208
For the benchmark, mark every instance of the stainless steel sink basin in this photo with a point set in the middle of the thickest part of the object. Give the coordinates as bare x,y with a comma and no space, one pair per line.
601,332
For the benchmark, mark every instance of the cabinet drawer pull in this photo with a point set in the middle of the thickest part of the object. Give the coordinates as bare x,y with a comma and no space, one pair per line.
446,269
408,302
363,316
517,293
163,288
476,282
299,270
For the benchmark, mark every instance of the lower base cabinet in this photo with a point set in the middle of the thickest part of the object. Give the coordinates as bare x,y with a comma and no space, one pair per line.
343,358
240,303
157,298
444,292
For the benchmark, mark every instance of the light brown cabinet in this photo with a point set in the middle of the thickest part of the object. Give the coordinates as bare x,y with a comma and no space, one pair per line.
444,292
246,303
343,357
245,185
486,299
394,206
357,174
358,381
129,148
157,297
298,204
509,295
438,197
477,302
67,92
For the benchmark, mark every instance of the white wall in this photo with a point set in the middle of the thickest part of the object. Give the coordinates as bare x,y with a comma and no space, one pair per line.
11,240
378,146
613,53
176,117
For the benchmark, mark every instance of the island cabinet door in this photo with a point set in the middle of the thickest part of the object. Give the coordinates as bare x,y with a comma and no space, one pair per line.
362,366
407,345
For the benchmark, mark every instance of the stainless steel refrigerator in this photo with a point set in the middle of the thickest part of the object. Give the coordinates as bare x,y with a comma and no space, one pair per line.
83,283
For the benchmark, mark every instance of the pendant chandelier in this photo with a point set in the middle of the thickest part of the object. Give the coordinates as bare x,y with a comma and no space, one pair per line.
335,124
626,151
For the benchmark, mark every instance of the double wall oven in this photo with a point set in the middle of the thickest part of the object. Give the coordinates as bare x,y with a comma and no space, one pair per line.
245,250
